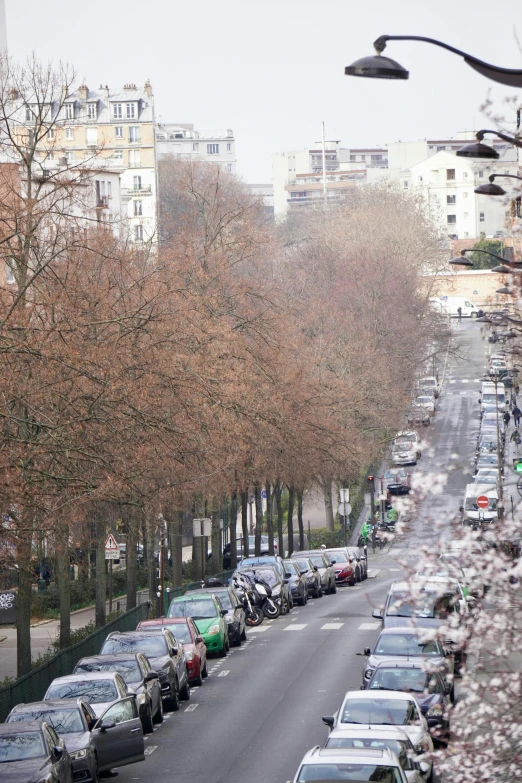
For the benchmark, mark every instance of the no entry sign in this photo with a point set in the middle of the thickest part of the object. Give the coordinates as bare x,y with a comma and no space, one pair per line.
482,501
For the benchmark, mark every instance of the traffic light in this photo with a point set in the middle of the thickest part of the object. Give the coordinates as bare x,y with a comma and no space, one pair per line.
371,480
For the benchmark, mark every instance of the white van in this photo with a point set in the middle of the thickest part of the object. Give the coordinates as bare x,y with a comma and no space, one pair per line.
449,305
472,511
488,399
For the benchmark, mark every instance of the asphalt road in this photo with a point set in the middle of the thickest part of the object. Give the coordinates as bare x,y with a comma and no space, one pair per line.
260,709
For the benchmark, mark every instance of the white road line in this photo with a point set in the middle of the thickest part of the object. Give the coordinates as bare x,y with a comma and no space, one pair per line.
394,569
258,629
297,627
368,626
463,392
452,381
191,707
150,749
465,380
331,626
224,673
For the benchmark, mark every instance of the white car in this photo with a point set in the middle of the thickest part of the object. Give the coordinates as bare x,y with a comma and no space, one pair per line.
404,453
430,383
375,739
426,402
386,708
363,766
486,476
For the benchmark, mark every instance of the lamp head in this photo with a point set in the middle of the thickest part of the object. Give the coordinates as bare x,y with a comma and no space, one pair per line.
377,67
505,290
490,189
477,150
461,261
502,270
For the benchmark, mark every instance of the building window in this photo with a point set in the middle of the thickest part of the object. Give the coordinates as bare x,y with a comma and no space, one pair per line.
229,168
451,199
137,182
229,147
405,184
466,215
376,157
465,175
28,114
421,179
117,155
91,136
452,219
69,156
482,217
119,131
481,175
50,134
450,173
92,111
134,133
465,194
117,111
440,149
138,233
466,235
195,147
134,159
69,111
69,134
9,273
138,207
131,111
212,149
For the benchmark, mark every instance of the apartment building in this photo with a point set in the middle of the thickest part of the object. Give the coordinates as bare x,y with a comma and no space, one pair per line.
211,146
109,130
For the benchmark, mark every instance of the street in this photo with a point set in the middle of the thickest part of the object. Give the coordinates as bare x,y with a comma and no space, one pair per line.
260,709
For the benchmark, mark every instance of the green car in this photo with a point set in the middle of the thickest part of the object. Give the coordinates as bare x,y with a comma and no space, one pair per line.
209,616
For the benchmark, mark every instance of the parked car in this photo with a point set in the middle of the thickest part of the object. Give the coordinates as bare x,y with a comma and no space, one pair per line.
276,580
431,383
427,402
185,631
357,552
209,616
296,582
429,689
489,460
397,645
93,749
390,737
360,764
347,571
397,481
417,414
32,751
165,654
404,453
265,541
326,570
310,574
100,689
235,613
387,708
139,677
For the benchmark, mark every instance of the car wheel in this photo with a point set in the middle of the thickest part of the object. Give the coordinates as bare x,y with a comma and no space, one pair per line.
204,671
243,635
95,771
239,639
148,726
174,699
285,606
158,717
222,653
358,577
184,693
318,592
302,600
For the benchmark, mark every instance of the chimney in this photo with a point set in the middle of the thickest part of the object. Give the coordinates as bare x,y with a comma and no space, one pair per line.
148,88
62,161
83,92
129,86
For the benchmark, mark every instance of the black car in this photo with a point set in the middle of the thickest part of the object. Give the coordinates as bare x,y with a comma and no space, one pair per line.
92,749
139,677
310,574
235,613
32,752
165,654
296,582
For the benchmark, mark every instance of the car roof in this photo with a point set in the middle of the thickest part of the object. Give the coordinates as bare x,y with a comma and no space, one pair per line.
331,755
192,596
58,704
409,629
209,590
394,663
17,727
86,676
144,624
390,732
393,695
109,657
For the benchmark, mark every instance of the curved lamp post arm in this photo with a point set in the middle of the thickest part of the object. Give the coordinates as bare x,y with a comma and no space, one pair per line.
493,177
510,139
511,77
487,252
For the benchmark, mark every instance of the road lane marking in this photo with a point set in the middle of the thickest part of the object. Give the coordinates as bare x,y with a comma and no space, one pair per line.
394,569
368,626
150,749
465,380
224,673
191,707
453,381
331,626
259,629
297,627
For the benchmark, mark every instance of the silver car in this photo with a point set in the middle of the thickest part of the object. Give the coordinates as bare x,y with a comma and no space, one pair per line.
361,764
326,570
100,689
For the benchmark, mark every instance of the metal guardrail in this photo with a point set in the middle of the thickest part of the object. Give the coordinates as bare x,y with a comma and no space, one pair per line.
32,686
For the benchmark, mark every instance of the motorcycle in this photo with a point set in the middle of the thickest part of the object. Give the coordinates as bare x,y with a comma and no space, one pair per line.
269,607
248,597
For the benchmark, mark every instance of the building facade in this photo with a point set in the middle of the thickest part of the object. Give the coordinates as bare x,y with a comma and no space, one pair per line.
212,146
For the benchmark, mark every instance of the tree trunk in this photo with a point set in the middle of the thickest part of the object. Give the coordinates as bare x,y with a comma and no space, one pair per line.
244,523
259,519
278,491
327,492
131,561
290,520
175,523
216,560
269,518
300,519
101,577
64,591
233,530
23,596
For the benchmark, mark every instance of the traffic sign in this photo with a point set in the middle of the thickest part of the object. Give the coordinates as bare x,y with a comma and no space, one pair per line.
112,550
482,501
344,508
344,494
263,494
201,527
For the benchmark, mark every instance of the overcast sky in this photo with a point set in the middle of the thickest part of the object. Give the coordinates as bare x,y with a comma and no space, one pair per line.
272,70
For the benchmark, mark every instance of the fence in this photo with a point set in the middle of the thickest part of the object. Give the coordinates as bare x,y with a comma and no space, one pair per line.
32,686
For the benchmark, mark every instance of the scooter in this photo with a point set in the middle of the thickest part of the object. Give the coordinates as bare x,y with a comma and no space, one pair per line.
248,597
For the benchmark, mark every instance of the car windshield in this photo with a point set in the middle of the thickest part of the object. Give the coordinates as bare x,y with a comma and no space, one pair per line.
225,599
317,560
423,400
355,772
152,646
471,504
429,605
428,382
181,631
303,565
487,459
405,644
290,568
62,721
385,712
404,446
491,399
129,670
396,679
266,574
198,609
17,747
399,747
339,557
94,691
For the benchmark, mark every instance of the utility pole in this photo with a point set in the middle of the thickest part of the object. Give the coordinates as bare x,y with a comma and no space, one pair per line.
325,195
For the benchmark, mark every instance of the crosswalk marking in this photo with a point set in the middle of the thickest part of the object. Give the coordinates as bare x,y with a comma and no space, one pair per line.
150,749
258,629
296,627
331,626
453,381
191,707
368,626
224,673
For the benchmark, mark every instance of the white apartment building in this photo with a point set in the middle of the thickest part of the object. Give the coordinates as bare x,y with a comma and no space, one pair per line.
212,146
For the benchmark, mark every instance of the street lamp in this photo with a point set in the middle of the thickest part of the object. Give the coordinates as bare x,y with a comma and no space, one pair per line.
378,67
463,261
479,150
490,189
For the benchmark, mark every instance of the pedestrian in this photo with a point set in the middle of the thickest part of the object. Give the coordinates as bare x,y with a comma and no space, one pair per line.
459,311
517,413
515,437
517,389
507,417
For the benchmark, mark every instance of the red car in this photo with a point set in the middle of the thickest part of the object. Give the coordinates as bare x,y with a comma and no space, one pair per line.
185,631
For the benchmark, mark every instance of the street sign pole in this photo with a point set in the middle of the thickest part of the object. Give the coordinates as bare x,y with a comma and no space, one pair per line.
110,586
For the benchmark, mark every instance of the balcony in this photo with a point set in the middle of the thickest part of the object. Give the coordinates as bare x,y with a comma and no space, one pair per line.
141,190
102,202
